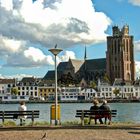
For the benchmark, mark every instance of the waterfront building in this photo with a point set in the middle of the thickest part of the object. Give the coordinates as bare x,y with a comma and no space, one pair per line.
120,55
5,87
89,93
44,92
28,86
71,94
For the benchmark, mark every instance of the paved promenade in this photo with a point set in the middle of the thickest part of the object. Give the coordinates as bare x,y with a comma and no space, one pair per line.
120,132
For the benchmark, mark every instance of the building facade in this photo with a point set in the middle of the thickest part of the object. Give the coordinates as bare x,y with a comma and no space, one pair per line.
120,55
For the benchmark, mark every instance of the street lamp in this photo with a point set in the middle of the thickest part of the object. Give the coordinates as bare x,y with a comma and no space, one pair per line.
55,51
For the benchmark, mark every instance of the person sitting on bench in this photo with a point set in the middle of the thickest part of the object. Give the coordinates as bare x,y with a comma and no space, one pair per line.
93,108
106,107
22,107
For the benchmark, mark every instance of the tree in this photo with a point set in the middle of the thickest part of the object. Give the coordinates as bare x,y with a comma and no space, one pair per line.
93,85
14,90
106,78
116,91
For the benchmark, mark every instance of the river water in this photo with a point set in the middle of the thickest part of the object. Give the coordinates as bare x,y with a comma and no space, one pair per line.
126,112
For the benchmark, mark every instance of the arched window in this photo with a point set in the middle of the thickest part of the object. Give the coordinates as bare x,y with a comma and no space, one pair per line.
128,76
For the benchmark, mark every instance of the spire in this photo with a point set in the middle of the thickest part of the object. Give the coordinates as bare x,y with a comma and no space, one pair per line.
85,54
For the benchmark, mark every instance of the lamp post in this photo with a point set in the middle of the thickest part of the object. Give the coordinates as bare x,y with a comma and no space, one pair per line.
55,51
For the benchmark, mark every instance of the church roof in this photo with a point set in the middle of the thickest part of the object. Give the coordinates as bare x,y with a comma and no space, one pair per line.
62,65
76,64
49,75
95,64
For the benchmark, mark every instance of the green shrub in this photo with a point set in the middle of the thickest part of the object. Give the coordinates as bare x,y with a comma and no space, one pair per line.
75,122
37,123
9,123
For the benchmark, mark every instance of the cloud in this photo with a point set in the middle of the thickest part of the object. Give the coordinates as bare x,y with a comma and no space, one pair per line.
17,54
137,67
64,21
137,46
135,2
26,23
17,76
67,55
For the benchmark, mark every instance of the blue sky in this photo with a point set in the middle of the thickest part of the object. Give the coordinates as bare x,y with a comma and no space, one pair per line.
28,29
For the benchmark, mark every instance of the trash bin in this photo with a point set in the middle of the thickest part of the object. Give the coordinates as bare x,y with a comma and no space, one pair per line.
52,113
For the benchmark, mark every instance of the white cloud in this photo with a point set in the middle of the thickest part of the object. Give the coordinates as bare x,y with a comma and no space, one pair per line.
64,21
137,67
137,46
47,22
17,76
35,54
17,54
135,2
67,55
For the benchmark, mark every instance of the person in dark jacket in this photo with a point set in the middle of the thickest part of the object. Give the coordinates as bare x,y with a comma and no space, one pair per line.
106,107
95,107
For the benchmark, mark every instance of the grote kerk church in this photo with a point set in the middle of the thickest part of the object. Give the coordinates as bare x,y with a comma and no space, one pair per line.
118,64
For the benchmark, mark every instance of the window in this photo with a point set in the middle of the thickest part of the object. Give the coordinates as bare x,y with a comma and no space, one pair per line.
14,97
36,94
31,88
5,97
22,97
23,93
22,88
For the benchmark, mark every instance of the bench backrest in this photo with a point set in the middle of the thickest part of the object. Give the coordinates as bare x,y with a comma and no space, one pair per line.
10,114
86,113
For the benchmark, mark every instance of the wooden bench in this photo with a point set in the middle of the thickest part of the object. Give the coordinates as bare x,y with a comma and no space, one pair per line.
30,114
95,114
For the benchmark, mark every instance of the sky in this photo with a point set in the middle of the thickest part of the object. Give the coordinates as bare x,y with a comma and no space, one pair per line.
29,28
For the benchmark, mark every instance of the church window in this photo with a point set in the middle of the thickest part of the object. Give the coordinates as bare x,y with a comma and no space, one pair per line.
118,46
115,45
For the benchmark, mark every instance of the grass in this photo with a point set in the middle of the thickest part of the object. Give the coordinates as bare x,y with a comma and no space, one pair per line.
9,123
66,123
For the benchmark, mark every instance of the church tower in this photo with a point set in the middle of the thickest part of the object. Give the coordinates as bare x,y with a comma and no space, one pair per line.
120,55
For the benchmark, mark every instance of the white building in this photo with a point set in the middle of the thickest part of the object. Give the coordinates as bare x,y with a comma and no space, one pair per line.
28,87
70,93
89,93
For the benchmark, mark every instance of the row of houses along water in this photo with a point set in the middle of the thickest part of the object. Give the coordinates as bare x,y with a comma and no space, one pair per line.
30,88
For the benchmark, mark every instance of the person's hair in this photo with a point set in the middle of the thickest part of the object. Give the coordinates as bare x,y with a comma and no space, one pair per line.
104,101
22,103
95,101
